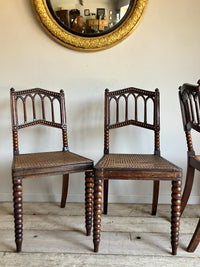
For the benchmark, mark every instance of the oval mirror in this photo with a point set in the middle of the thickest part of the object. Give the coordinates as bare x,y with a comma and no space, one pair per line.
89,25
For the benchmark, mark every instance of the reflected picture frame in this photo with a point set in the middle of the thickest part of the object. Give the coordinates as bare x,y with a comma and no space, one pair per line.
86,12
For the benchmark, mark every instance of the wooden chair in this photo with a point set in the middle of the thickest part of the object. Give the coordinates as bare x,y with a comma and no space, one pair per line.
189,96
44,163
135,166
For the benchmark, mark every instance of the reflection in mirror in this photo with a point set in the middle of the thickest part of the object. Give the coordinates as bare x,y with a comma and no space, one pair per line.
89,17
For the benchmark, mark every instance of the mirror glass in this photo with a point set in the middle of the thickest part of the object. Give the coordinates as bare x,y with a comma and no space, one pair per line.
89,17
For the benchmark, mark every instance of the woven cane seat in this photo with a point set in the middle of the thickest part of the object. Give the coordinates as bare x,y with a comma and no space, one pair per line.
48,160
135,161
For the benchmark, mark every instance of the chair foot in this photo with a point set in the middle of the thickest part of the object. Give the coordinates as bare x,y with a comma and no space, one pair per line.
174,251
19,246
175,214
105,211
195,239
96,247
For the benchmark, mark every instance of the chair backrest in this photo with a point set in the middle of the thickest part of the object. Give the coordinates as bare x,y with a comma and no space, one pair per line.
189,96
133,98
47,101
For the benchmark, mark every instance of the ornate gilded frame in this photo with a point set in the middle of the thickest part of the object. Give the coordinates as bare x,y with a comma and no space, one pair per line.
83,43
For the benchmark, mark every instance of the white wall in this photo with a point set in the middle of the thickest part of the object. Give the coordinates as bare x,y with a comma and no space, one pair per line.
163,52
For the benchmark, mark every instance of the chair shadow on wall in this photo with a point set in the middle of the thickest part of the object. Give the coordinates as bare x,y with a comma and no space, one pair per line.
5,149
88,127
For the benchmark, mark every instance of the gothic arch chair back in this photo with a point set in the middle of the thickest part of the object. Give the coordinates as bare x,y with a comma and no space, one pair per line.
189,96
40,164
135,166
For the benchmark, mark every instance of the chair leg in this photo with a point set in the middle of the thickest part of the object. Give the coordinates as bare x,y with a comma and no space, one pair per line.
195,239
156,185
18,212
64,190
105,196
89,187
98,188
188,187
175,214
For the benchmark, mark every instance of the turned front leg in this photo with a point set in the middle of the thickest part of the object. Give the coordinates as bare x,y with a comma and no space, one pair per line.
97,213
18,212
89,185
175,215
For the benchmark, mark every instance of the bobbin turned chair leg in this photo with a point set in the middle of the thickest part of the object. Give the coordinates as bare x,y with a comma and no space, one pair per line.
175,214
18,212
98,188
89,187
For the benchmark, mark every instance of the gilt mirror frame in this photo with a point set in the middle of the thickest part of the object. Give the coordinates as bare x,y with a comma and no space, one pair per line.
92,43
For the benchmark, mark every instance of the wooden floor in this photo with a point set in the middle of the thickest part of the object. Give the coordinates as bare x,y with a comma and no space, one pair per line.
130,237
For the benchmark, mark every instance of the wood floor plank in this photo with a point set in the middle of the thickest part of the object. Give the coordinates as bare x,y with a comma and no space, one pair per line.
109,223
97,260
149,244
114,209
56,237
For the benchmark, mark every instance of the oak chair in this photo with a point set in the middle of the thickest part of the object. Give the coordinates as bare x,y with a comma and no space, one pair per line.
135,166
40,164
189,96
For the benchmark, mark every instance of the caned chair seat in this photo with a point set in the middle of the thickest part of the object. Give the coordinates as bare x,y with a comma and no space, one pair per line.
47,163
152,165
